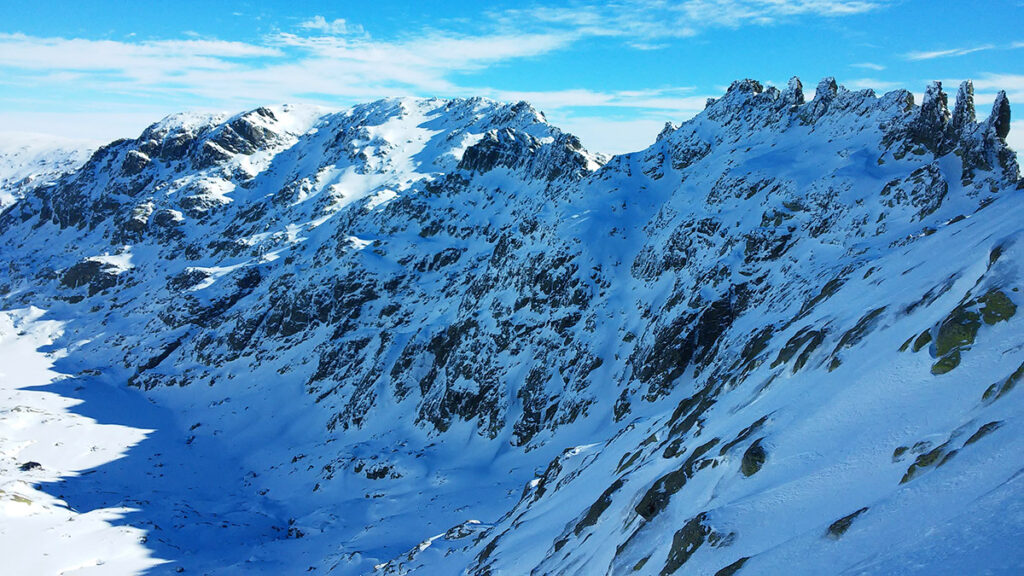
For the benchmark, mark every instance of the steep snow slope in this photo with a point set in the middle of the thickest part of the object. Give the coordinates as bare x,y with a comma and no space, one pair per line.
439,336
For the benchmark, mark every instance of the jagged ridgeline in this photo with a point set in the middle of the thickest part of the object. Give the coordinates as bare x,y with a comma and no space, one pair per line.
783,337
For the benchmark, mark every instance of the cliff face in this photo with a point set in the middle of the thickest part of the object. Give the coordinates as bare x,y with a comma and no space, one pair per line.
757,344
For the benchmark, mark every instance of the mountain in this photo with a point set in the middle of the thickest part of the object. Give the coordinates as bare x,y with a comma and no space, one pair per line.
31,160
441,337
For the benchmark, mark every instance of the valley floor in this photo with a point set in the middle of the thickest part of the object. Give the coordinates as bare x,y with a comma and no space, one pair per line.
96,479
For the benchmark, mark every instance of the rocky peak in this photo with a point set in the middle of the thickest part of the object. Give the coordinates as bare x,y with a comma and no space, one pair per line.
793,95
999,119
746,85
244,134
173,137
562,156
929,128
669,128
825,93
963,110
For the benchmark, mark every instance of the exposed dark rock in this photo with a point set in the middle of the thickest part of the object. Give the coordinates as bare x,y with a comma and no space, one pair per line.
839,527
753,458
733,568
189,278
134,162
92,273
983,431
747,85
824,95
929,128
512,149
999,119
963,117
658,495
598,508
793,95
685,542
1000,389
923,462
805,341
139,218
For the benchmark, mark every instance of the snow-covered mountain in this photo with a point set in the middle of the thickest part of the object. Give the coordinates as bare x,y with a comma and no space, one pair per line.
441,337
31,160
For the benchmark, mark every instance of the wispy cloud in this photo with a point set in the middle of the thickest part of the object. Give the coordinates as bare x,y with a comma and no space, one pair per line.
647,46
947,53
284,66
33,53
675,101
986,86
338,62
868,66
337,58
872,83
646,20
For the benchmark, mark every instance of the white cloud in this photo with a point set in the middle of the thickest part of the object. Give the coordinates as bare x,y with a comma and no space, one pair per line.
337,59
1008,82
871,83
648,46
93,127
868,66
119,66
283,67
678,101
951,52
338,26
31,52
987,85
1016,137
738,12
336,62
600,134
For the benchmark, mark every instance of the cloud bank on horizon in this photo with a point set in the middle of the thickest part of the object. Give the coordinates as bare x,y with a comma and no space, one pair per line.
613,73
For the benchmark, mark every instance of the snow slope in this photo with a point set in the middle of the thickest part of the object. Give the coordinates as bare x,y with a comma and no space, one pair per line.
440,337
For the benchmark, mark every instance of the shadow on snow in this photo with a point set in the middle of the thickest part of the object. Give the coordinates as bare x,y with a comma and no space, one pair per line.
197,507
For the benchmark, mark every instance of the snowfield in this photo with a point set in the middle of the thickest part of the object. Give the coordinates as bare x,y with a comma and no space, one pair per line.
45,440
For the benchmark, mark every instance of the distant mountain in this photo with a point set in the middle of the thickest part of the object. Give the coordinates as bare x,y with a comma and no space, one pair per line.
442,337
29,160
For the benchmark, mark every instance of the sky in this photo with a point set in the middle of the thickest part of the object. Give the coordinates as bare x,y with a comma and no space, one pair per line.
612,72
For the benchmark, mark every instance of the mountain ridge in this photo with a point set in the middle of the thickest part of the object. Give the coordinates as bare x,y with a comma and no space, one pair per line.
455,298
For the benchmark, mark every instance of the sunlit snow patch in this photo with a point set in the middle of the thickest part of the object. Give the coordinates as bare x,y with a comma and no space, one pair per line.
41,440
358,243
116,263
381,198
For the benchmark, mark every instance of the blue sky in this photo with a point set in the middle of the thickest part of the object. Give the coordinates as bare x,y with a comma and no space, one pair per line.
611,72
